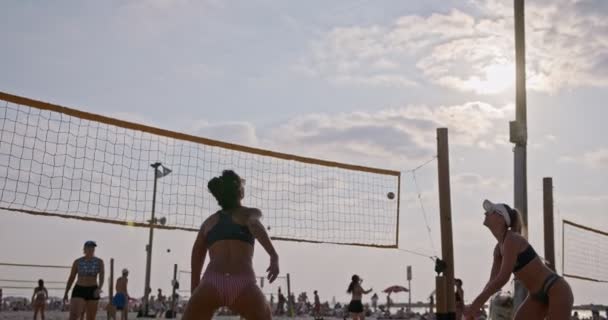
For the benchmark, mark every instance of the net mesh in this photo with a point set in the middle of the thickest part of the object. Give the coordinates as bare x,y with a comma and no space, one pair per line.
585,253
60,161
272,289
21,279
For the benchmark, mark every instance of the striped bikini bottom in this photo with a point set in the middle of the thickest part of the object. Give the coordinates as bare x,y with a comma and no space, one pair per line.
229,286
542,295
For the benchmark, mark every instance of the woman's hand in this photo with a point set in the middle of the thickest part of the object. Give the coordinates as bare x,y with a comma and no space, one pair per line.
470,312
273,269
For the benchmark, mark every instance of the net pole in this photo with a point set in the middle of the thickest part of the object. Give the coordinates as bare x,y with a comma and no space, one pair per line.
548,222
289,307
563,252
174,291
445,210
110,286
147,289
111,282
440,292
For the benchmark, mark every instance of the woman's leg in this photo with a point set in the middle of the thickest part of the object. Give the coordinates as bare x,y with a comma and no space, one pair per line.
530,309
203,303
76,308
560,301
91,309
251,304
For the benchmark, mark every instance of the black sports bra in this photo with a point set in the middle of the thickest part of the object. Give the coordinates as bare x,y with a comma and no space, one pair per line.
226,229
524,257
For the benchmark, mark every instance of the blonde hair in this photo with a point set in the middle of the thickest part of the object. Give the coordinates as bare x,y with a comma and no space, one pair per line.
517,221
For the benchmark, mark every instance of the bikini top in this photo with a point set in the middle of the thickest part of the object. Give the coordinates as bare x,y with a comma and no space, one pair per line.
88,267
40,292
227,229
524,257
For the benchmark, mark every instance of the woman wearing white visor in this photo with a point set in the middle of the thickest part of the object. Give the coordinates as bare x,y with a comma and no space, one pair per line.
549,295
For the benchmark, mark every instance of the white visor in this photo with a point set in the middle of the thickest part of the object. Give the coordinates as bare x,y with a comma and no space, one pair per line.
499,208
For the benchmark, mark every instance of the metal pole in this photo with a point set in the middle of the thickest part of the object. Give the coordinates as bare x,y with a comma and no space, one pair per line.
563,252
110,287
111,282
174,292
519,133
445,210
147,288
409,298
521,186
288,296
548,223
409,287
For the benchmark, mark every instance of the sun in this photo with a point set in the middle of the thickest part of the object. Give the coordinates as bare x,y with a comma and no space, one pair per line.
494,78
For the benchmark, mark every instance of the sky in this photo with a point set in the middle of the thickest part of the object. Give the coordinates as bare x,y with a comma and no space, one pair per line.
363,82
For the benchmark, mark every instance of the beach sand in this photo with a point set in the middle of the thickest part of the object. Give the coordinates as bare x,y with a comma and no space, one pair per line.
57,315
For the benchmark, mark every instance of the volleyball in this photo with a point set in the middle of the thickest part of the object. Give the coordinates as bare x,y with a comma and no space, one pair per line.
390,195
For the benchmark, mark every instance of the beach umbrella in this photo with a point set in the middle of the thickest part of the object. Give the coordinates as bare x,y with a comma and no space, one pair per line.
395,288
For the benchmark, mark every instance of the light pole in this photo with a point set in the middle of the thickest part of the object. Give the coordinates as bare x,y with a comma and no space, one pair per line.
518,133
409,288
159,172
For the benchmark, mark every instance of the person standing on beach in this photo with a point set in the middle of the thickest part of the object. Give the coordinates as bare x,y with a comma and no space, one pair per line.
229,236
317,305
459,298
375,302
39,299
161,304
355,307
85,295
121,298
281,303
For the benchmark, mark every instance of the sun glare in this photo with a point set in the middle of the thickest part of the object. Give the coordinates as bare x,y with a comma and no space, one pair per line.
494,78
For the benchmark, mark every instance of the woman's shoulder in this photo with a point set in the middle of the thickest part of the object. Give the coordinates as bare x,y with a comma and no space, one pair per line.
248,214
251,211
515,241
210,222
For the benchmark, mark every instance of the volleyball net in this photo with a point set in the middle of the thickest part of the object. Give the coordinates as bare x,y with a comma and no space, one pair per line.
63,162
20,279
585,252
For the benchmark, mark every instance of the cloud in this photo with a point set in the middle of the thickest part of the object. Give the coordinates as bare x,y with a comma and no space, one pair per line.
390,136
142,21
580,200
474,181
470,52
133,117
243,133
597,159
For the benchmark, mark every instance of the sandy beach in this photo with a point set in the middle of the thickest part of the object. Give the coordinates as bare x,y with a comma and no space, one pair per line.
57,315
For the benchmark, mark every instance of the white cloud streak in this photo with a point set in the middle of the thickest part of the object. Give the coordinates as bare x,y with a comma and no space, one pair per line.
467,52
595,159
